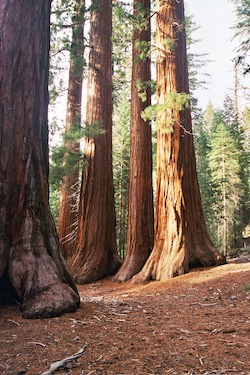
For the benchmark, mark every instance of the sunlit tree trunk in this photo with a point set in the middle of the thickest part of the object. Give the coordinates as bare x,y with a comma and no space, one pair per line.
96,253
67,221
181,238
30,257
140,213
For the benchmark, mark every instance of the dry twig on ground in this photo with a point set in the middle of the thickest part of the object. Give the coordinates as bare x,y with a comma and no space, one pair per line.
59,364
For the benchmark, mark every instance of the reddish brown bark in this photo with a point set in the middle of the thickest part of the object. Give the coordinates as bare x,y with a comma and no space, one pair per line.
140,214
181,238
67,220
96,254
30,257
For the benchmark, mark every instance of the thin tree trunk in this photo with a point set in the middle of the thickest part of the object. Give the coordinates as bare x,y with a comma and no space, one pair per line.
140,213
224,204
181,238
236,97
30,257
67,221
96,253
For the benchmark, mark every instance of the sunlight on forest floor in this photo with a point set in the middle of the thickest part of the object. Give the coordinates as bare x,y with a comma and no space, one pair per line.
193,324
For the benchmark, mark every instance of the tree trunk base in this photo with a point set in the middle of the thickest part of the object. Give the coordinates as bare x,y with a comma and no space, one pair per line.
54,301
37,271
176,263
91,272
129,268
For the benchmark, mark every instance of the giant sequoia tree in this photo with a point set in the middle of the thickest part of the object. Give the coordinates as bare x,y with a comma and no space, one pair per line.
140,214
96,253
67,220
181,238
30,258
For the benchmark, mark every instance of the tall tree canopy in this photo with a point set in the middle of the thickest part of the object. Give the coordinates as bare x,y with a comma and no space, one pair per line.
181,238
30,257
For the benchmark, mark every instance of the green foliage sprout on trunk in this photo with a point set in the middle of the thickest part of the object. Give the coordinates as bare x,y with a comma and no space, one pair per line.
175,103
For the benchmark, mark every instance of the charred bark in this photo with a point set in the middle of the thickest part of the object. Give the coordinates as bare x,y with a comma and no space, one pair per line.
96,253
30,254
140,214
67,221
181,238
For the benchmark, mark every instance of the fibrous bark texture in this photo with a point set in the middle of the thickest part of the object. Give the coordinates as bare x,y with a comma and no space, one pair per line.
140,214
67,221
96,253
181,237
30,255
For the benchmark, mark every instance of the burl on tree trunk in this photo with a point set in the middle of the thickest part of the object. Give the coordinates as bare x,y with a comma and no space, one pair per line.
30,258
181,237
140,231
96,254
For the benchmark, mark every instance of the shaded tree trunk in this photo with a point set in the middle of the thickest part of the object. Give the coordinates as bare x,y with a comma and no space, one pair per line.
30,257
140,214
67,220
181,238
96,253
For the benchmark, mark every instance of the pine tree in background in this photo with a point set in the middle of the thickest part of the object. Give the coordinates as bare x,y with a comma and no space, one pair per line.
224,162
230,118
235,124
121,80
196,64
246,146
121,157
242,33
202,150
205,130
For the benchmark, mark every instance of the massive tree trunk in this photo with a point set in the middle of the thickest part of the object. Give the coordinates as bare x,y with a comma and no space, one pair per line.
140,215
67,221
181,238
96,253
30,258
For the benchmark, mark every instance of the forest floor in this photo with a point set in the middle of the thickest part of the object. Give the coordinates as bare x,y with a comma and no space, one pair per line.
198,323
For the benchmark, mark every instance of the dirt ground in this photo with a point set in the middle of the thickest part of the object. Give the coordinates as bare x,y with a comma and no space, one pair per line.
198,323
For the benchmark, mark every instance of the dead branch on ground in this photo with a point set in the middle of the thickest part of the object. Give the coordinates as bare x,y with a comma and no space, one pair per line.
59,364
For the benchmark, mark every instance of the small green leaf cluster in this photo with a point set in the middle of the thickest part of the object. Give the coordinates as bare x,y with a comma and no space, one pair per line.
169,44
247,288
68,157
174,103
140,18
143,50
142,87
